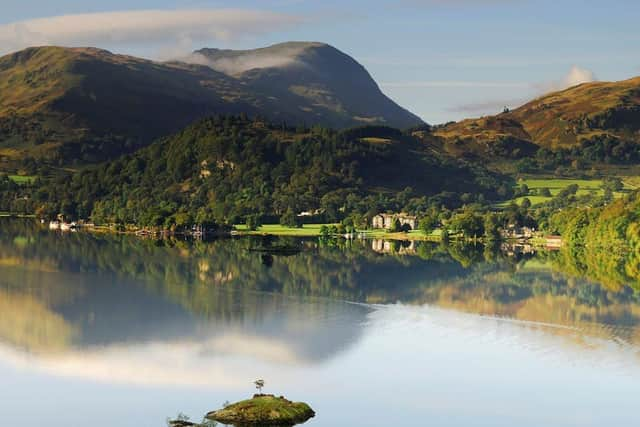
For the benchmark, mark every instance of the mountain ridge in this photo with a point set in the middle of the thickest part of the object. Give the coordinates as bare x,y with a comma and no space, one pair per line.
316,72
88,104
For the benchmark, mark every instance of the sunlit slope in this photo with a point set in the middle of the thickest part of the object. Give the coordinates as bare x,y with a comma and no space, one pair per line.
557,120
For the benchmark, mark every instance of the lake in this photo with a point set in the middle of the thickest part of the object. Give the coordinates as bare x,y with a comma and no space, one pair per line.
108,330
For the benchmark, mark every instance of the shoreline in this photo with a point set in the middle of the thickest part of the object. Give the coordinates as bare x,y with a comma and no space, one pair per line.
306,231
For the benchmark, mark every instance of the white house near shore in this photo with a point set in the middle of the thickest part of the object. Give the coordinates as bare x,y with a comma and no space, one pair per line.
386,221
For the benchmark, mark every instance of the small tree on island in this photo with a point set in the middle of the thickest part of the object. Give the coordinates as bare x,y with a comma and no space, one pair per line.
259,384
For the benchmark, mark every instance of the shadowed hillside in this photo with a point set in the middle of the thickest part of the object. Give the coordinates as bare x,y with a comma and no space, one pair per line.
325,81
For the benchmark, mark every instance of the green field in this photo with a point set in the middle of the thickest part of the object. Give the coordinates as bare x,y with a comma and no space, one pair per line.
21,179
555,185
280,230
313,230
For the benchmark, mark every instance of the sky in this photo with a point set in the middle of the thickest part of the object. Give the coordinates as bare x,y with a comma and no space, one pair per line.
442,59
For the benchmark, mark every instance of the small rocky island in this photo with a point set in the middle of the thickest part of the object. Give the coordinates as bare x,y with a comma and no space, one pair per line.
263,409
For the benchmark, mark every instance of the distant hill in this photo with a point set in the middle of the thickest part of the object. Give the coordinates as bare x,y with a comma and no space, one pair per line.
86,104
600,113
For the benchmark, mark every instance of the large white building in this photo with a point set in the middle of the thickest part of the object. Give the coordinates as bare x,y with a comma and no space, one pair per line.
386,221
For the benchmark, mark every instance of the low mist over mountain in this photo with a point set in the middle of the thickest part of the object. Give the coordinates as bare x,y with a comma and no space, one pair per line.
316,77
86,104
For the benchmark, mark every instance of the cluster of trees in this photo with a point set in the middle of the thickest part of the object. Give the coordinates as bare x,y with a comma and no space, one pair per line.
14,197
566,207
602,243
510,147
472,221
231,169
598,149
16,127
615,225
623,117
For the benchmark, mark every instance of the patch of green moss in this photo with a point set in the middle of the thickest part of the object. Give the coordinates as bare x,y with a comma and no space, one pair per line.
263,410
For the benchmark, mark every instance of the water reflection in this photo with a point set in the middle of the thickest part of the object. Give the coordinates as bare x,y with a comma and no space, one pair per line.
84,290
117,309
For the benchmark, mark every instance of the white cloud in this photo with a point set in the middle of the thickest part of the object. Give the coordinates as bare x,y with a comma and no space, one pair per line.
578,76
152,27
574,77
205,362
260,58
240,63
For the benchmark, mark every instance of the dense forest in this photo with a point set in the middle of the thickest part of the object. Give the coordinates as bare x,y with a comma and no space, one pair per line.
224,170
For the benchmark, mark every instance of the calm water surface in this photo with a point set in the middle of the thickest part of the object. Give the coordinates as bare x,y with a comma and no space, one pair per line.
112,330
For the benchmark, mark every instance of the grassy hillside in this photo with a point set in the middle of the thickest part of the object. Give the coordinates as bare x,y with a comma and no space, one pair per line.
583,112
600,116
78,105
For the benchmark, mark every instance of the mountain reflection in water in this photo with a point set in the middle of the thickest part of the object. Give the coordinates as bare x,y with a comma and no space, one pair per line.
117,309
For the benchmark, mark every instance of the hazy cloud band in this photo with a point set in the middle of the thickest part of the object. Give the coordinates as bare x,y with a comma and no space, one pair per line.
158,27
574,77
454,84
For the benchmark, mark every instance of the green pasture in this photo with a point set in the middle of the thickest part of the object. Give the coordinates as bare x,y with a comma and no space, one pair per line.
307,230
22,179
556,185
